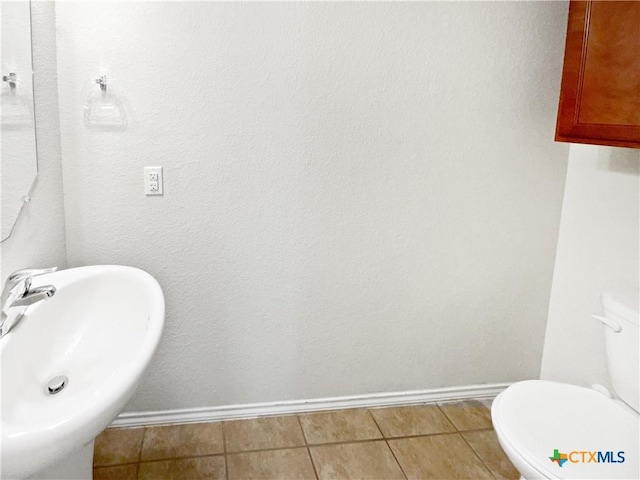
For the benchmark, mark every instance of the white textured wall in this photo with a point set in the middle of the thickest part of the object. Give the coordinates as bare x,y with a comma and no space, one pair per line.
598,249
38,239
359,197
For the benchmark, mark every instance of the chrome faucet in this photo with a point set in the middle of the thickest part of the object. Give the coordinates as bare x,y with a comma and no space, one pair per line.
18,295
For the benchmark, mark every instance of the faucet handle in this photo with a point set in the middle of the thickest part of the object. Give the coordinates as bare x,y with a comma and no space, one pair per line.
18,275
24,276
14,292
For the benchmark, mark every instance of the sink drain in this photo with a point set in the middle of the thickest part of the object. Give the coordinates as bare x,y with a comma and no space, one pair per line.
56,384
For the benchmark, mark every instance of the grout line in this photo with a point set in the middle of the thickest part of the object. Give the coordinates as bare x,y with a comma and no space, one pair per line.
402,437
304,436
313,465
144,434
375,422
461,430
347,442
389,446
396,459
169,459
115,465
224,450
449,419
473,430
478,456
290,447
224,438
377,426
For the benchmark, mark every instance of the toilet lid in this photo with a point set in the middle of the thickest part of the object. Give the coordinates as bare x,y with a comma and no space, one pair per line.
541,419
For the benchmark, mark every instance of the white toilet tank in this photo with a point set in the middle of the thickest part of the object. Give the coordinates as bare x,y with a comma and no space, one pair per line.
621,309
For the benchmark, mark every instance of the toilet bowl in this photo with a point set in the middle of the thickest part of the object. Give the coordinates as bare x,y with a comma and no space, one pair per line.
535,418
553,430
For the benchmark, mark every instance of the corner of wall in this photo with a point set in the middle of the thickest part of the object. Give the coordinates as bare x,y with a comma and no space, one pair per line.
597,250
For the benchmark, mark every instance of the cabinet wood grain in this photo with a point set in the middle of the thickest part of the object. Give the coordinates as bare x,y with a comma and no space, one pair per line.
600,92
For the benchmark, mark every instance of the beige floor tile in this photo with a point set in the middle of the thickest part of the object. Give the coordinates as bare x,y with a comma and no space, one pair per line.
406,421
468,415
117,445
182,441
365,460
198,468
339,426
293,463
490,452
263,433
437,457
119,472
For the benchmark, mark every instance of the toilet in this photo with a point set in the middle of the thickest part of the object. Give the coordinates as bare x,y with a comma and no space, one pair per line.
553,430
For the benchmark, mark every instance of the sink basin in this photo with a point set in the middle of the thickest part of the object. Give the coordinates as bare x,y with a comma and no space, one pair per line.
99,331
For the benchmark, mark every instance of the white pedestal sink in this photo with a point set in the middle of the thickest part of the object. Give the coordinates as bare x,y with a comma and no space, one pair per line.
99,330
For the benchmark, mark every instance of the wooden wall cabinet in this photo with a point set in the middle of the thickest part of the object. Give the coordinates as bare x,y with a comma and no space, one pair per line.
600,92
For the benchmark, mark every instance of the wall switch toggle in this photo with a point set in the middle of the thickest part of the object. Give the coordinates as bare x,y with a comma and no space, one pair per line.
153,181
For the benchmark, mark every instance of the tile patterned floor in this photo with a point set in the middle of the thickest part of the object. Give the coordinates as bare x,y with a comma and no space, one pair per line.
443,441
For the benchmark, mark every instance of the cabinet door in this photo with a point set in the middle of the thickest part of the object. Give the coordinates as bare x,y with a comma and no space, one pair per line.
600,93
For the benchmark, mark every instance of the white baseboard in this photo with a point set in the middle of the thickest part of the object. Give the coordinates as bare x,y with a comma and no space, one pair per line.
233,412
